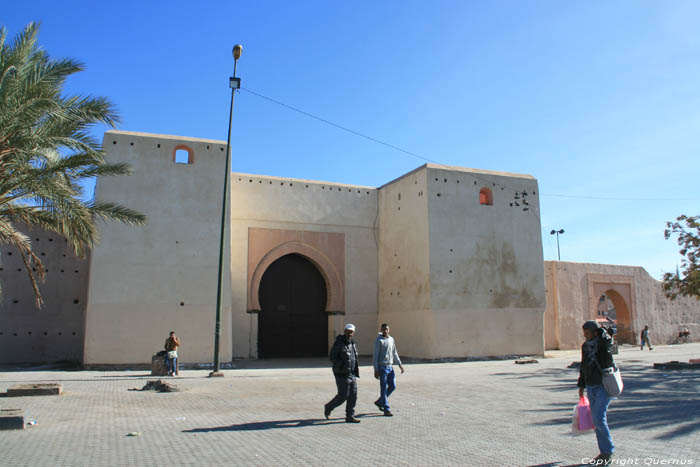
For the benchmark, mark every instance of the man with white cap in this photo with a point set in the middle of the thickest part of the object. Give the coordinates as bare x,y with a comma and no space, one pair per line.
345,368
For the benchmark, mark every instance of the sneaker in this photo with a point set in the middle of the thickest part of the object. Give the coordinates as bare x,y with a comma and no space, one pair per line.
351,419
387,413
379,406
326,412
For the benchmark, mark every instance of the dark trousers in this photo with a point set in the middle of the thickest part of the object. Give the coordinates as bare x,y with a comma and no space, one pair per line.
347,391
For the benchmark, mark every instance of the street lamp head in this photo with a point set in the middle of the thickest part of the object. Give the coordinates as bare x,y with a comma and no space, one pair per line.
561,231
552,232
237,49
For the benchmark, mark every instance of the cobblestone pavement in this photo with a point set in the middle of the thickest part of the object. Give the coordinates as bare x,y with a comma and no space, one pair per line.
488,413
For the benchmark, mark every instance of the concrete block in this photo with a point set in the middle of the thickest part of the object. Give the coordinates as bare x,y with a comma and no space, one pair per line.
11,419
158,366
40,389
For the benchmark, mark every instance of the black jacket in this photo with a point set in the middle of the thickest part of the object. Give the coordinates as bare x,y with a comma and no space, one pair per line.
596,354
341,355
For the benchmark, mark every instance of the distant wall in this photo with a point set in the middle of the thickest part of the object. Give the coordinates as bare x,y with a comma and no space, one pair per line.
146,281
573,291
54,332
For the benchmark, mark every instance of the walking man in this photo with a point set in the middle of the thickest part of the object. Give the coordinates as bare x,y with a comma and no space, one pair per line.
645,339
384,355
345,369
171,345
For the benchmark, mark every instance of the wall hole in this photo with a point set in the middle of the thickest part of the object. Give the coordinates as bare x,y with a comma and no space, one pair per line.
51,239
76,301
76,271
60,333
9,253
159,145
114,142
74,333
131,144
207,147
438,195
15,301
222,149
29,333
182,156
46,333
182,303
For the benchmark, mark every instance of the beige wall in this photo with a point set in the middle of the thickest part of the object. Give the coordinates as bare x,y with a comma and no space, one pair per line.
54,332
146,281
404,262
472,279
573,290
287,204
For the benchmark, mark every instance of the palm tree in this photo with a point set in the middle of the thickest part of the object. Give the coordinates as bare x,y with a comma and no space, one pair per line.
46,153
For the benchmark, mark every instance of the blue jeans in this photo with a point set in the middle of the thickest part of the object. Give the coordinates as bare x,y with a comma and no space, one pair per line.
171,364
387,384
600,400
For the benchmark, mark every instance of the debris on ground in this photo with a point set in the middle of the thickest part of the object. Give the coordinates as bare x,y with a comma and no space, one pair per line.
158,386
134,433
524,361
676,365
574,365
31,422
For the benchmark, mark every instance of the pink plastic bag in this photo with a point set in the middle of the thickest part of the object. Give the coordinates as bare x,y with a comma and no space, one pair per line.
582,420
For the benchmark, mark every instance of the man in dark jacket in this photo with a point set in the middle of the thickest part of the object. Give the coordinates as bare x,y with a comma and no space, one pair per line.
596,354
345,369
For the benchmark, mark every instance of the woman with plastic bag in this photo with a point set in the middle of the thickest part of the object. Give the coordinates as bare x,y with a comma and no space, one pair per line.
596,354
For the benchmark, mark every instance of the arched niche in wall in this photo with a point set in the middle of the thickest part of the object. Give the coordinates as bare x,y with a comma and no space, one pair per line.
486,197
324,250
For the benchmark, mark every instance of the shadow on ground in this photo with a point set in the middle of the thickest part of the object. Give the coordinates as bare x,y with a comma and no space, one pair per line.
651,399
271,425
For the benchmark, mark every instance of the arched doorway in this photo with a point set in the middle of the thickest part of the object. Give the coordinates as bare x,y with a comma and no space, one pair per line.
620,312
292,320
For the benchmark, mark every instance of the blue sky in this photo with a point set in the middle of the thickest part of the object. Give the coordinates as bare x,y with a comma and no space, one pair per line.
596,99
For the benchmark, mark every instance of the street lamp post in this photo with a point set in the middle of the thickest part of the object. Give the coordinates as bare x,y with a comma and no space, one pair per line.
557,232
234,83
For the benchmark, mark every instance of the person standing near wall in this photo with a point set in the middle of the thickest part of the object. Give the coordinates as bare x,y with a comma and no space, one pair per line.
644,339
343,355
596,354
171,345
383,357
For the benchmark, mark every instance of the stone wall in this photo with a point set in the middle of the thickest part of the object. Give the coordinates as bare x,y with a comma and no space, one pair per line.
54,332
149,280
472,284
305,217
574,290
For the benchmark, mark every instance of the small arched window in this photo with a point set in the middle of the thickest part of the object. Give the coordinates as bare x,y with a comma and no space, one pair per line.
183,154
485,197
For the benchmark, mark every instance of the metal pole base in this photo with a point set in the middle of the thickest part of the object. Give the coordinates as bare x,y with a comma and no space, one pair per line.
214,374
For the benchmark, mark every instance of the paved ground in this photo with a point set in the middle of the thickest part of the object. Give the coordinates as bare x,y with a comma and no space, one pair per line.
491,413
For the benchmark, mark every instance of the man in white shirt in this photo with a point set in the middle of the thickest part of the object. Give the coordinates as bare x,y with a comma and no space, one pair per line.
384,355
